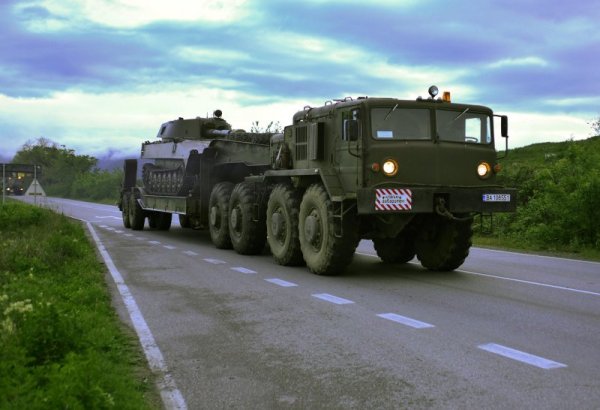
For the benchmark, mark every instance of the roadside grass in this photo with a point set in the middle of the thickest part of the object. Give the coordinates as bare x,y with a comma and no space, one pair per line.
62,344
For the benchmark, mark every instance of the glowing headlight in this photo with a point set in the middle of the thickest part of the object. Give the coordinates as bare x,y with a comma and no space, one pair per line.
484,170
390,167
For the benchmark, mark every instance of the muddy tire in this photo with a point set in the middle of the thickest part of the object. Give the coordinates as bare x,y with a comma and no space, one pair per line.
218,215
125,210
282,225
443,244
324,252
136,214
248,236
400,249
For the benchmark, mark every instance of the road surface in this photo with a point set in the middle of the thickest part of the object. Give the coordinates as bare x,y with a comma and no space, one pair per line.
506,330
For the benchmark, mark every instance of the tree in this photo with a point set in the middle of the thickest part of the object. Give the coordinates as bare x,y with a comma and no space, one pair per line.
60,165
596,126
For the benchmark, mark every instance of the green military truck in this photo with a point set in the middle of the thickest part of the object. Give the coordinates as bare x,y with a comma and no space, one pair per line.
408,174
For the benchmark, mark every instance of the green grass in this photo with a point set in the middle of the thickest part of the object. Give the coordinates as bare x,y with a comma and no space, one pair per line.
61,342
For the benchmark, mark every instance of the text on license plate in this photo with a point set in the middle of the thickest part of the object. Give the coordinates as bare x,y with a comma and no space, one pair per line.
496,197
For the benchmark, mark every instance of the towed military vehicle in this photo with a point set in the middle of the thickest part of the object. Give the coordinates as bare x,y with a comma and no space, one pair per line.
408,174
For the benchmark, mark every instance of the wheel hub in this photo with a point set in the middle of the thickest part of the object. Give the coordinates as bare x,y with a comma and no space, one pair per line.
213,217
312,229
235,219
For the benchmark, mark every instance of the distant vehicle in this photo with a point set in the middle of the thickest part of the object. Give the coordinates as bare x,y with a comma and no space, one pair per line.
408,174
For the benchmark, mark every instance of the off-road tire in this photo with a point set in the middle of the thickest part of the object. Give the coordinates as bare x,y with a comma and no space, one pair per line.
324,252
248,236
136,214
218,220
282,225
443,244
163,221
125,210
400,249
153,220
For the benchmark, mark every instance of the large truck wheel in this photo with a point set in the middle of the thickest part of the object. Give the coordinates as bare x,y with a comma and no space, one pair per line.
136,214
282,225
443,244
323,251
400,249
218,217
248,236
125,210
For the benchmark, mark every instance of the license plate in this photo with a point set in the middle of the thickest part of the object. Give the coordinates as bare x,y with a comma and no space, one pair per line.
496,197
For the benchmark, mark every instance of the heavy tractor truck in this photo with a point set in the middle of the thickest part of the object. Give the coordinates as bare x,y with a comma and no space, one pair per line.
408,174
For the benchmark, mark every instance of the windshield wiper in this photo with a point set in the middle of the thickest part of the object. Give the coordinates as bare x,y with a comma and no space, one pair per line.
390,112
461,114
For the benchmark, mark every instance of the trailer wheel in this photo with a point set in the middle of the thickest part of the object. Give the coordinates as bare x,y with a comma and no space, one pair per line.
400,249
443,244
248,236
282,225
125,210
136,214
324,252
218,216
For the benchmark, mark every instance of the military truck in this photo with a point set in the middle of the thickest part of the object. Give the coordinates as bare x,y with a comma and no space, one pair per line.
408,174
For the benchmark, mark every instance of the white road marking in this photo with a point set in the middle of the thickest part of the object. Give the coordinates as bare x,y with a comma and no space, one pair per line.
154,242
170,247
537,256
139,238
171,396
587,292
214,261
118,231
190,253
108,228
331,298
128,234
105,217
405,320
103,226
281,282
520,356
243,270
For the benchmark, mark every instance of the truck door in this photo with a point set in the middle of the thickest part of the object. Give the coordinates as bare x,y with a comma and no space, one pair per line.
348,149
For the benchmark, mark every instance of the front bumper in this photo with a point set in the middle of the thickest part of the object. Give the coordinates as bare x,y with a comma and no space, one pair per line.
409,199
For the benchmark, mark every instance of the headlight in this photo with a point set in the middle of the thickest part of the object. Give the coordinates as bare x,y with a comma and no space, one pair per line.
390,167
484,170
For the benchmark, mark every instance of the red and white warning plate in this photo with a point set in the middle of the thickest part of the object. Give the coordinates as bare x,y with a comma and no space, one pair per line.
392,199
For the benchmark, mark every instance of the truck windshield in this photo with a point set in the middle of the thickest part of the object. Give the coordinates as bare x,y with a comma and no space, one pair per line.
400,123
463,126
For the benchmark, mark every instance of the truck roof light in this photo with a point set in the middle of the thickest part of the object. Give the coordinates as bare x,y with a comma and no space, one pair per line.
446,96
433,91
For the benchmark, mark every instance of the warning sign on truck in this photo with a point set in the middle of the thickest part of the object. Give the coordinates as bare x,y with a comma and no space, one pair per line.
392,199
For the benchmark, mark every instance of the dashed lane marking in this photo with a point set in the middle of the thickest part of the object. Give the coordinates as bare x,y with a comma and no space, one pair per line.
154,242
243,270
190,253
405,320
281,282
520,356
170,247
214,261
333,299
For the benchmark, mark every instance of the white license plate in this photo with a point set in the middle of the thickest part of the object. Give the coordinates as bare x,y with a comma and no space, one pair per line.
496,197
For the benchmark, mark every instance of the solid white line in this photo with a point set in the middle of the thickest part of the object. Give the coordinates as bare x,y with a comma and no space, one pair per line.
405,320
243,270
587,292
333,299
537,256
105,217
190,253
171,396
520,356
214,261
281,282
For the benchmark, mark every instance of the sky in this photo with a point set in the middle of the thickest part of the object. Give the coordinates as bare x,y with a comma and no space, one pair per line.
100,76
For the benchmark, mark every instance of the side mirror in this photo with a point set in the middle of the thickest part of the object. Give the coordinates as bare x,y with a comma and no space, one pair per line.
504,126
351,130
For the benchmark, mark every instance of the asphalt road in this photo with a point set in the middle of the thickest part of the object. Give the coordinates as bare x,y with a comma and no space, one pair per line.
506,330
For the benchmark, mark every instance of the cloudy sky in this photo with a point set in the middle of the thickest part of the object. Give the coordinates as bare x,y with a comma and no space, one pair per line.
102,75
